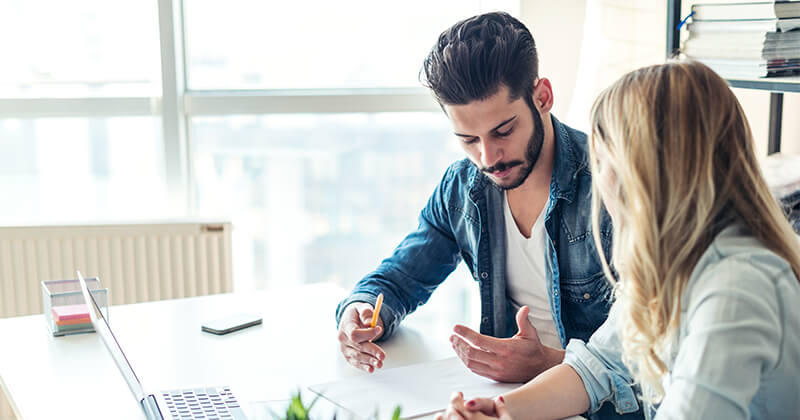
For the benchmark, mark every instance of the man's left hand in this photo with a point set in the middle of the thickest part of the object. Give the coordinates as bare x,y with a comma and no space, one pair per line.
516,359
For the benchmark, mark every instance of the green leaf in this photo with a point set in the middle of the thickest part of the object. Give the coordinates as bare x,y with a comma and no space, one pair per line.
296,410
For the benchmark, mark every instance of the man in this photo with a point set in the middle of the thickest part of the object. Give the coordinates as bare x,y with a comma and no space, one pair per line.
516,211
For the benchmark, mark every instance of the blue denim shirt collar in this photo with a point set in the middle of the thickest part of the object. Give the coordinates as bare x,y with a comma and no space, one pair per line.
565,163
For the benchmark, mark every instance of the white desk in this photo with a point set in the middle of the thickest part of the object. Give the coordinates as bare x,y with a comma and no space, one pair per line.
50,377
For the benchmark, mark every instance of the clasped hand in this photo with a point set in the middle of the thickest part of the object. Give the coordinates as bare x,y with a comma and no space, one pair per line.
475,409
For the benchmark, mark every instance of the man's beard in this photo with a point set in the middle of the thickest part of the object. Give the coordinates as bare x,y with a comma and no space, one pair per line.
532,152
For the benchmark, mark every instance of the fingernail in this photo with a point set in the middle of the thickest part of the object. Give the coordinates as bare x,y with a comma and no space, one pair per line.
471,403
501,399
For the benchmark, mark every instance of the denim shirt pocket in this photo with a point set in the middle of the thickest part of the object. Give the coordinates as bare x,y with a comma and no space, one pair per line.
466,229
586,303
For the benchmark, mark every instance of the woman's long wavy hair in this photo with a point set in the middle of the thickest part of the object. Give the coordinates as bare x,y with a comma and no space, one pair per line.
679,146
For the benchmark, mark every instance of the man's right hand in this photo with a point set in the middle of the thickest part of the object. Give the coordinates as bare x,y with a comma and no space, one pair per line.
356,336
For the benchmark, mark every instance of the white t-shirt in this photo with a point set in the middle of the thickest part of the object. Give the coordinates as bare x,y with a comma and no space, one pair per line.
526,278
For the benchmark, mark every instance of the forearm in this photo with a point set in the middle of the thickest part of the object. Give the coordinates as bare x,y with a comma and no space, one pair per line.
555,394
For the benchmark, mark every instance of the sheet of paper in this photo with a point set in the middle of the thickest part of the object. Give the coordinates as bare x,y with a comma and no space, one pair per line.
419,389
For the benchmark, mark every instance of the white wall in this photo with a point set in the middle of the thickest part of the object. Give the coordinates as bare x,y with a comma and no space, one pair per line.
558,32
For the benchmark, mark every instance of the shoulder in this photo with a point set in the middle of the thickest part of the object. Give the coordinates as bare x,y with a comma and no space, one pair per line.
461,171
738,268
453,190
460,176
577,141
739,301
571,155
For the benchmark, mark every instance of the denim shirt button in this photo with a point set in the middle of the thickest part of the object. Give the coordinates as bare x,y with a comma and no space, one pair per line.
586,296
555,292
485,320
484,275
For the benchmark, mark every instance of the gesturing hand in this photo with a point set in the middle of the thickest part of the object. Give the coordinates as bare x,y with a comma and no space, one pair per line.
515,359
356,336
475,409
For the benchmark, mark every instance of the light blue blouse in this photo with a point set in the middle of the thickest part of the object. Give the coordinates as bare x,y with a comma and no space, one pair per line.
737,351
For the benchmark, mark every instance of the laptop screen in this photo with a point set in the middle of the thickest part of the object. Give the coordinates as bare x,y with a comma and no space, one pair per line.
104,330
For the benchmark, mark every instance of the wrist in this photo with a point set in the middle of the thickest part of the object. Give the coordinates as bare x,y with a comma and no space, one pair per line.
552,357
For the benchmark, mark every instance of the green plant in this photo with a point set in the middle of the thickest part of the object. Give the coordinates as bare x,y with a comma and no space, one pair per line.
297,410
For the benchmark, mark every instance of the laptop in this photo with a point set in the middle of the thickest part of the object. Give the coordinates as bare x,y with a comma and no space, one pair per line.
206,403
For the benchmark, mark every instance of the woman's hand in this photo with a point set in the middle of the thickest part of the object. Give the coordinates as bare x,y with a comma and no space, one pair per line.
474,409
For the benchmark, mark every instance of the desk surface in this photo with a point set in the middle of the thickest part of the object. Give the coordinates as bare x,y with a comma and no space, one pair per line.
65,377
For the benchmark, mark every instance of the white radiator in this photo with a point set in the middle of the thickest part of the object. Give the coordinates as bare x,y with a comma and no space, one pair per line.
137,262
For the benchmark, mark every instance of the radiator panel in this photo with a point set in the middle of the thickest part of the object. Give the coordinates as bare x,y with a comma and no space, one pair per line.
136,262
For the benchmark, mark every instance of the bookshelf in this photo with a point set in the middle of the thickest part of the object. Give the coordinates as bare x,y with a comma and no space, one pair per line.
777,86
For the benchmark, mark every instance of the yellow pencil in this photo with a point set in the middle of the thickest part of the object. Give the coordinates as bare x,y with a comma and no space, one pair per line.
377,312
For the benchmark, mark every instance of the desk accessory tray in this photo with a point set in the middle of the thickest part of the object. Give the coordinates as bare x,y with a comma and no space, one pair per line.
65,309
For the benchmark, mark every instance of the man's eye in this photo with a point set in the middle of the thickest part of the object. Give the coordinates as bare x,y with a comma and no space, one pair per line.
469,141
504,133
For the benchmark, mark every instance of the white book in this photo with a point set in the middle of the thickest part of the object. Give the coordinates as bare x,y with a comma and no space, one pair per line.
761,25
745,11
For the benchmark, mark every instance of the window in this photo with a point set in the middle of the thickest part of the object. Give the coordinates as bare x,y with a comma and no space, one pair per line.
81,169
304,123
318,197
79,48
257,44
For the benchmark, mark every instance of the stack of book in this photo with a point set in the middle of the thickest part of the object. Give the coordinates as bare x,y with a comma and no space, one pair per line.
746,40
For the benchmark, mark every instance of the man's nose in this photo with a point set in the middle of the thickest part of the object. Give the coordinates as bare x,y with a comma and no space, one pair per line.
491,153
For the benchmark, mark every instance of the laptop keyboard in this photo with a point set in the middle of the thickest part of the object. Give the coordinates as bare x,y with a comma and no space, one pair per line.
203,403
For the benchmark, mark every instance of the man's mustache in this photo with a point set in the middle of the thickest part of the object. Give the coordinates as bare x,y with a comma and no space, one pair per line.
501,166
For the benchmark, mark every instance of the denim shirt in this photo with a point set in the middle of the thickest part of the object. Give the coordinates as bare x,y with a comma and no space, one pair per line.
464,221
736,354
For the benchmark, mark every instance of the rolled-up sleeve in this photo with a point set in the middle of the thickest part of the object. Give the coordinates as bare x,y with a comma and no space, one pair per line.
599,364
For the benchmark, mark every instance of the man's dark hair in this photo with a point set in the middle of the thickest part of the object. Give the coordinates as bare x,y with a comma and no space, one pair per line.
475,56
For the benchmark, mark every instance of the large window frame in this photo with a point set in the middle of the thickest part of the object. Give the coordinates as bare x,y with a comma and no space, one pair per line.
177,104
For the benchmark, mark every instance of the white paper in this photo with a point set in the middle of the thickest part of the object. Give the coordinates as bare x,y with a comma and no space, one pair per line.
419,389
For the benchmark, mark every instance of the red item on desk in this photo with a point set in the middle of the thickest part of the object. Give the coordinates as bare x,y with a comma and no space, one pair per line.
75,321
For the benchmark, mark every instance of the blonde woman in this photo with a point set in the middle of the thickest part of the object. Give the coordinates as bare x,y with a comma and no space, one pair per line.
706,324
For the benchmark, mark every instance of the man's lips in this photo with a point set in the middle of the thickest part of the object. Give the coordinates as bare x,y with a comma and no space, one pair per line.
502,174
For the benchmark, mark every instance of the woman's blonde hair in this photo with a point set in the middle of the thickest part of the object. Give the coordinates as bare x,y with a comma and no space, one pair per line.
677,141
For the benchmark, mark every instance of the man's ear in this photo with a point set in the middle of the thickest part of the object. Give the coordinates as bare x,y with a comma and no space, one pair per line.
543,95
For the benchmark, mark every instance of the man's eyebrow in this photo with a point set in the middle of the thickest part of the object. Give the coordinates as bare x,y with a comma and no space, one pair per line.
504,123
494,129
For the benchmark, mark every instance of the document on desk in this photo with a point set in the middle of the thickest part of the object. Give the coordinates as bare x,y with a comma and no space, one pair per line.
419,390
